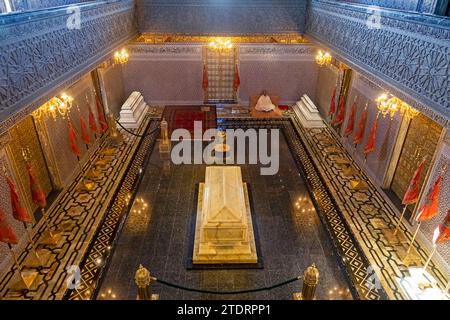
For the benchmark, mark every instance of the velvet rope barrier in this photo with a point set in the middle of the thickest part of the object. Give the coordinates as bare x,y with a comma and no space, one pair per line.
227,292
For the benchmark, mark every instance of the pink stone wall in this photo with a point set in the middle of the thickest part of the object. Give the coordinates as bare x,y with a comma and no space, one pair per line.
287,79
114,94
165,81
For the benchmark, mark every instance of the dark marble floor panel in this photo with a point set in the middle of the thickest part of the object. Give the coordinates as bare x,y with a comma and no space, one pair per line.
157,236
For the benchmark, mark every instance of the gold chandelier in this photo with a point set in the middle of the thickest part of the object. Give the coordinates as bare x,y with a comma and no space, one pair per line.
323,59
389,104
54,106
121,56
220,44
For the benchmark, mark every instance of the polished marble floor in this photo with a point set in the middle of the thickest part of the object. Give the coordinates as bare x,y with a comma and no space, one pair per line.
157,231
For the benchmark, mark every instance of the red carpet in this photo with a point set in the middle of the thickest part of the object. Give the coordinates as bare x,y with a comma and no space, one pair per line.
183,117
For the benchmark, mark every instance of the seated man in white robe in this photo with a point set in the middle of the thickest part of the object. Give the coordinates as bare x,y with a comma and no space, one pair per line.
264,103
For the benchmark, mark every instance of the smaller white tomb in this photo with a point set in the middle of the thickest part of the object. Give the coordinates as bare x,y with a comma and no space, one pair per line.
133,111
307,113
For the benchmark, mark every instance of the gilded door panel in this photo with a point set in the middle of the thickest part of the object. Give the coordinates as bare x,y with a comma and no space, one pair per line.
24,135
421,139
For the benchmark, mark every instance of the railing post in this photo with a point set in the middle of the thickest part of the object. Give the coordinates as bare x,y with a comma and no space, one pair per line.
310,281
143,281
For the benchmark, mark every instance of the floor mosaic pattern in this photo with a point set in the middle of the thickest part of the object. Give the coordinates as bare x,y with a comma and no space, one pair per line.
77,213
366,211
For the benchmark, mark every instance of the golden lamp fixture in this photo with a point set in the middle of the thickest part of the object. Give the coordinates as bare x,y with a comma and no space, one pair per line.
121,56
323,59
54,107
389,104
221,44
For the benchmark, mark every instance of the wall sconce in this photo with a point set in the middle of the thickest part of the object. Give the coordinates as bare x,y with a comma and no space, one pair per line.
323,59
54,106
389,104
121,56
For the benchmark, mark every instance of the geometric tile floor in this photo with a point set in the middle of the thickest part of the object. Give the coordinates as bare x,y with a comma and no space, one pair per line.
77,213
158,235
367,212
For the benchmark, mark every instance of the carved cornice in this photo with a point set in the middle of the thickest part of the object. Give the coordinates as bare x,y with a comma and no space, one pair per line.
406,56
39,55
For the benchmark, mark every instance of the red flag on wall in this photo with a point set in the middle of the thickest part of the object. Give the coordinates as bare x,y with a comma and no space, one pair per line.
237,79
7,234
431,205
332,109
361,128
84,132
92,124
37,194
351,120
341,112
18,211
73,140
205,83
444,230
101,115
371,143
412,194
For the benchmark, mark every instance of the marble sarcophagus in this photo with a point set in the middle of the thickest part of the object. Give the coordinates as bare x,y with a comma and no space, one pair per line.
224,229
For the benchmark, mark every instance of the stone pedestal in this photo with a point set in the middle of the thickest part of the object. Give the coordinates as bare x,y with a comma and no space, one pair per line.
307,113
133,111
224,229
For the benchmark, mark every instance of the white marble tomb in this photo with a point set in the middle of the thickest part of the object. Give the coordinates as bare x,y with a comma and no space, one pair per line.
133,111
307,113
224,229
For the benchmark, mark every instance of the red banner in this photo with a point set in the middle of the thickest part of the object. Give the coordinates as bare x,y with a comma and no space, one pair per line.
412,194
371,143
205,83
73,140
431,206
237,79
37,194
361,128
332,109
351,120
341,112
18,211
92,123
444,230
84,131
7,234
101,115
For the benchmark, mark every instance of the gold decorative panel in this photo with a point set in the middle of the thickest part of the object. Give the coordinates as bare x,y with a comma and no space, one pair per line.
421,140
24,135
220,65
158,38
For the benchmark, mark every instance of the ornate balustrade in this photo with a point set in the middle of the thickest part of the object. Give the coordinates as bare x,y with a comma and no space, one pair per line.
42,52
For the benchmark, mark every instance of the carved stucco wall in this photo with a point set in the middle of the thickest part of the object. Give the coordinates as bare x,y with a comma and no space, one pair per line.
172,74
221,16
408,5
40,56
408,55
25,5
